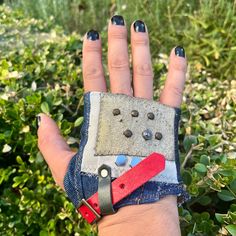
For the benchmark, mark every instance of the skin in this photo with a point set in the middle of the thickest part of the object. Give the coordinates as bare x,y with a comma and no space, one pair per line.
160,218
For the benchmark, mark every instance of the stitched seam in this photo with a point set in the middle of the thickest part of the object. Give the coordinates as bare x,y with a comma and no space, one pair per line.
84,139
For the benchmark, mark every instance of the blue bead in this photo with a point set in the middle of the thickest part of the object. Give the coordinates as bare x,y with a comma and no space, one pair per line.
121,160
135,161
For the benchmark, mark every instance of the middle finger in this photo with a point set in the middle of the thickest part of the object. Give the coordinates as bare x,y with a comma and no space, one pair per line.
118,58
142,65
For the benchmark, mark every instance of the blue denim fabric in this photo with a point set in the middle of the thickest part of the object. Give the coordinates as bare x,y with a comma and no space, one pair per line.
79,185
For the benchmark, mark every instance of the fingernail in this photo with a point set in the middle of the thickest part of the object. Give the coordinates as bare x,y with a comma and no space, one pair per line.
93,35
179,51
139,26
38,121
117,20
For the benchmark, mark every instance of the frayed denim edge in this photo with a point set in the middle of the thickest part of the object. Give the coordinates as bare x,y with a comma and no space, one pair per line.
73,180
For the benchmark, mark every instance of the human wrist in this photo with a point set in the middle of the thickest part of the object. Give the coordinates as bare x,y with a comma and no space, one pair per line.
144,219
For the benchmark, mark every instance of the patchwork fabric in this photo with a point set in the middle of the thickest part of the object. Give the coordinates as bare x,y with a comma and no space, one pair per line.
136,117
120,131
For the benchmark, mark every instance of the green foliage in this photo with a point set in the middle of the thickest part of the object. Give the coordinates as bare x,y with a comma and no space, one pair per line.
36,76
40,71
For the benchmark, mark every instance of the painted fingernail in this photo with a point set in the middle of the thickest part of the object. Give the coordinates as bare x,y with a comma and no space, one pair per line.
117,20
179,51
139,26
93,35
38,121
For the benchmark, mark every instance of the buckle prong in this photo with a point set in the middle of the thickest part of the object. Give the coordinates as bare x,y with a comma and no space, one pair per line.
84,202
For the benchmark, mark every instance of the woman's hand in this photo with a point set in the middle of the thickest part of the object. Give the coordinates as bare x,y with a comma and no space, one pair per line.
58,154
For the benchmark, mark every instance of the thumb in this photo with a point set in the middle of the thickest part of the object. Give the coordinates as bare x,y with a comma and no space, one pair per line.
54,148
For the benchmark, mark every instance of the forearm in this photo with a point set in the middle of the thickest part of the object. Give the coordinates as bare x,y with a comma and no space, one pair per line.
159,218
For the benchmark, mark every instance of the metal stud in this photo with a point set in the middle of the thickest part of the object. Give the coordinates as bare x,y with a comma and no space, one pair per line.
104,173
147,134
134,113
150,116
158,135
116,112
128,133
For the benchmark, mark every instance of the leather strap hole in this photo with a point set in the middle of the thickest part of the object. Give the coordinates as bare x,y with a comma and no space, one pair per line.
95,205
122,186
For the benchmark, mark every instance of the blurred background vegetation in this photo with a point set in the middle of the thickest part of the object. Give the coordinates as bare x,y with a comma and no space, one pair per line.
40,71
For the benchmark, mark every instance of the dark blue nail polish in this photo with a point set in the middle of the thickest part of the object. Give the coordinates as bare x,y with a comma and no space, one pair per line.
117,20
179,51
38,121
139,26
93,35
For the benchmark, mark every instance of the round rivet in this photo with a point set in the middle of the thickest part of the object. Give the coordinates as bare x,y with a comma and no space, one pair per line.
134,161
116,112
147,134
121,160
127,133
150,116
104,173
158,135
134,113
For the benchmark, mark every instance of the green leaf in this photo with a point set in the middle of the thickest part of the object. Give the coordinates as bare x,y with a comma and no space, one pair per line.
226,196
189,141
233,186
200,168
233,207
79,121
19,160
205,216
204,159
220,217
214,139
45,108
231,229
62,215
205,200
43,233
227,173
187,177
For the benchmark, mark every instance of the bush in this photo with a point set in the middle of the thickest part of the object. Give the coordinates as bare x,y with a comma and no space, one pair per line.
40,71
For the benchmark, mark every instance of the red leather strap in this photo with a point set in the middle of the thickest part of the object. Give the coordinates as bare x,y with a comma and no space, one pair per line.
124,185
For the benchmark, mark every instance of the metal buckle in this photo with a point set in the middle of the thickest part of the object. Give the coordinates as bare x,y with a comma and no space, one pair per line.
84,202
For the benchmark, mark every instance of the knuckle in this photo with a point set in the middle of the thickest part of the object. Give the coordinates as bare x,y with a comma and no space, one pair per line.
141,41
121,34
125,90
119,62
93,49
92,72
43,141
175,91
144,70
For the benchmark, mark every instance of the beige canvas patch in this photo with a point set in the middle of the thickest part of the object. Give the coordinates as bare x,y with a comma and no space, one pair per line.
123,132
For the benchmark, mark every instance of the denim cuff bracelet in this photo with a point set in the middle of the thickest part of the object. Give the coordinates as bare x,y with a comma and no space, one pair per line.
120,131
